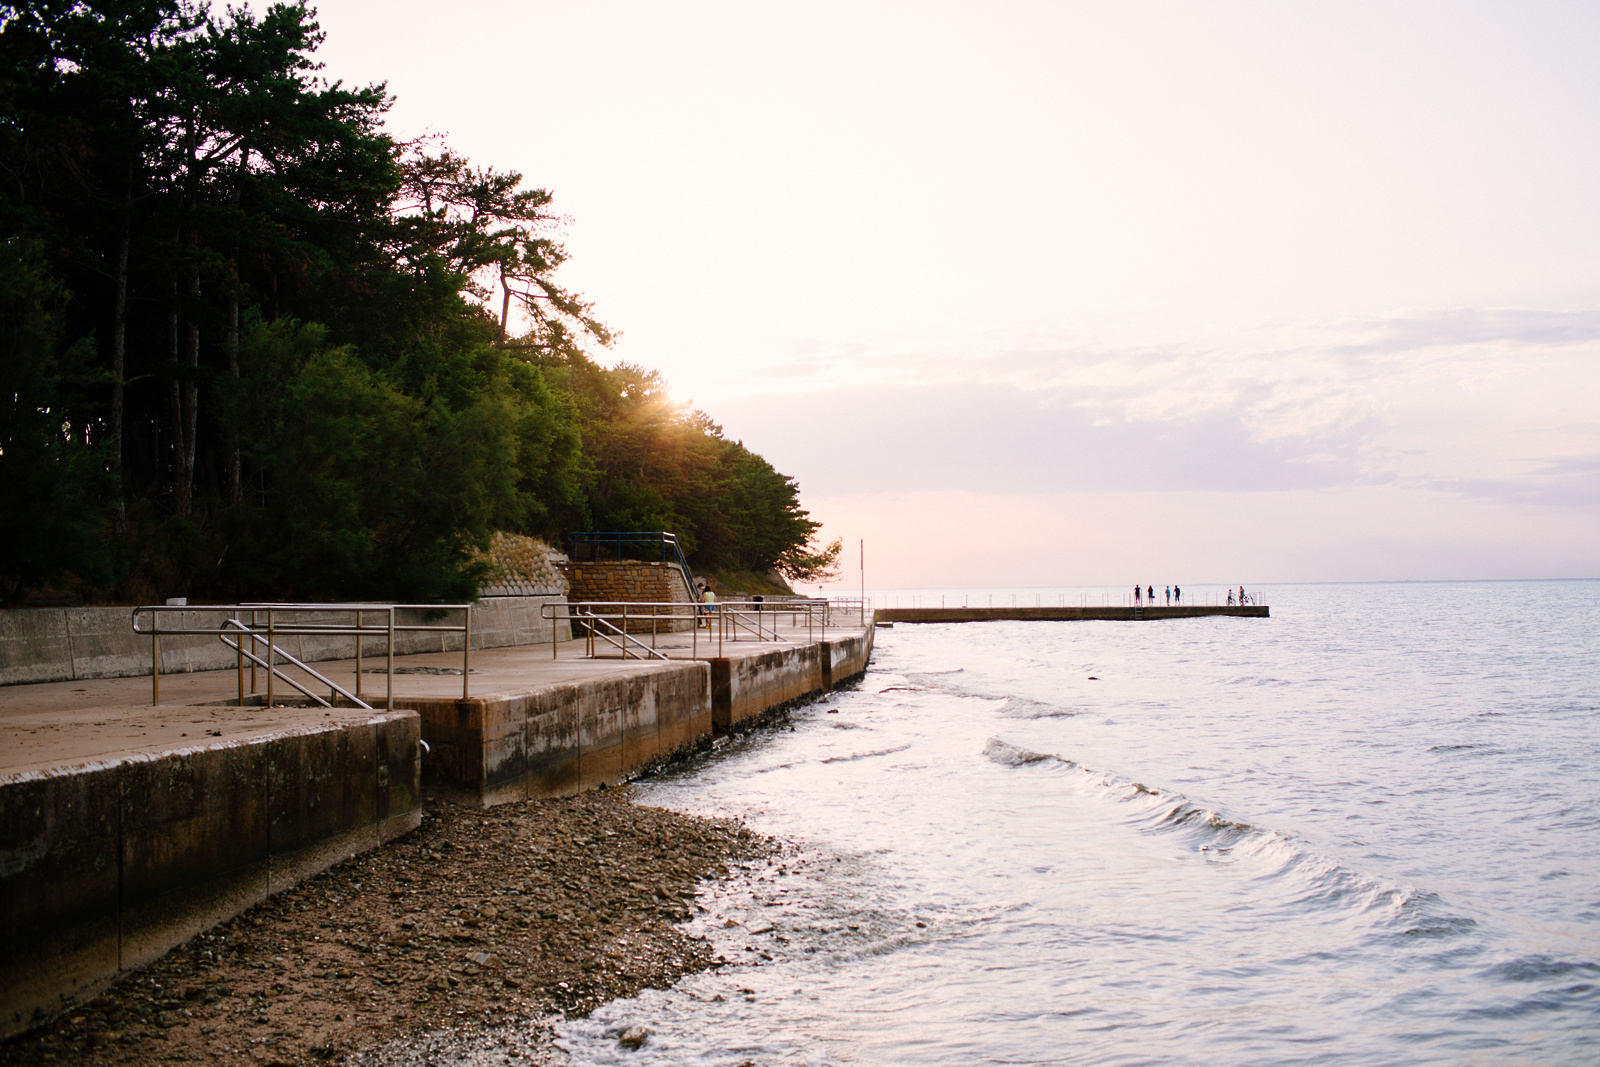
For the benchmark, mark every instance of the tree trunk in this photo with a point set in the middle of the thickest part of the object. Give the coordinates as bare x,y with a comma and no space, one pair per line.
235,465
119,331
180,491
505,307
191,385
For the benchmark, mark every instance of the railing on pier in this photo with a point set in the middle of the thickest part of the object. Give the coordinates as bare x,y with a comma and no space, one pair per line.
255,633
1103,598
621,625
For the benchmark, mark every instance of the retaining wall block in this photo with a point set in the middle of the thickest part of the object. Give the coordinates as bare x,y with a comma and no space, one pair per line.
555,742
58,890
34,646
503,733
195,844
683,706
641,731
399,784
454,734
600,733
323,801
756,683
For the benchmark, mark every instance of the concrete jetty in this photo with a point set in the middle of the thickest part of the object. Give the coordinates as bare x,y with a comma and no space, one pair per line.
963,614
125,829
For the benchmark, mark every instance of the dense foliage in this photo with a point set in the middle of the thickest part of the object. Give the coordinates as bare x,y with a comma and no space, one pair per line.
254,346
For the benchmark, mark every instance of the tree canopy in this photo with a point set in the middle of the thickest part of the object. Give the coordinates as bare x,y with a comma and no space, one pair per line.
253,345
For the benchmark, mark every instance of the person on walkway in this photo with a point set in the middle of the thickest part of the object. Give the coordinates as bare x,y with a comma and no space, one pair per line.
1177,595
1138,596
1230,598
1241,596
1151,593
1169,596
708,600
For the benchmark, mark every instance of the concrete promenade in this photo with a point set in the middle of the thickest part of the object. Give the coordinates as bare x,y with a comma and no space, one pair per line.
1061,614
125,829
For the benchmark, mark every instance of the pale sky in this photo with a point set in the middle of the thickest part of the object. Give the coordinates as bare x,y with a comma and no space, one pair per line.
1068,293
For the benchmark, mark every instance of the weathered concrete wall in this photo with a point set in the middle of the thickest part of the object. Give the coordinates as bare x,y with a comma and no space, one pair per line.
743,687
848,657
564,738
107,867
71,644
1249,611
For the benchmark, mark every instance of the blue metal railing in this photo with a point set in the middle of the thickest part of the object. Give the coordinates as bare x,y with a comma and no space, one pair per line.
669,548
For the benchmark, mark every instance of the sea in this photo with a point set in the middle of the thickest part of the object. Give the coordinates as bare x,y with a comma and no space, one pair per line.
1365,830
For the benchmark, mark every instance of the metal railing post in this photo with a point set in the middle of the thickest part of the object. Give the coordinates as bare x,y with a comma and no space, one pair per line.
466,651
358,652
389,666
270,657
155,659
238,658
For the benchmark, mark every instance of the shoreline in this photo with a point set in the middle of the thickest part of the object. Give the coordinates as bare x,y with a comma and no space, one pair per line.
478,918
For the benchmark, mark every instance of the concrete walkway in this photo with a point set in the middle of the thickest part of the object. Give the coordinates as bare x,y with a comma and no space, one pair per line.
49,725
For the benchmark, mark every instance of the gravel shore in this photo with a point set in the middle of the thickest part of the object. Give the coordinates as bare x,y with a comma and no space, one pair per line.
478,918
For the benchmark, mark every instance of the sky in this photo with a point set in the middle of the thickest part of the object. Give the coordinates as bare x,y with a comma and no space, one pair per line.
1079,293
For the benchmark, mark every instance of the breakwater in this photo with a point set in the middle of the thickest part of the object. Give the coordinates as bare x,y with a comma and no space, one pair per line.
1062,614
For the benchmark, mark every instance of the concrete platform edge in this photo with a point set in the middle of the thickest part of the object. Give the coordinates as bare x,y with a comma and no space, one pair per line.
107,865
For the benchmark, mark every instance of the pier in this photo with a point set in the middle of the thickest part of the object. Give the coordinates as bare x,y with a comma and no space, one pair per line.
1065,614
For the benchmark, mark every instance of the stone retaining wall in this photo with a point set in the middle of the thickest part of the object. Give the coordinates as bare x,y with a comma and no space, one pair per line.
631,582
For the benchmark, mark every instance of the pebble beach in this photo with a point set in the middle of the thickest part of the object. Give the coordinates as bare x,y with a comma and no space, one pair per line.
478,919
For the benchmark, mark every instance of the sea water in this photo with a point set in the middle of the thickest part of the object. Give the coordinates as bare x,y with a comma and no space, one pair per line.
1363,831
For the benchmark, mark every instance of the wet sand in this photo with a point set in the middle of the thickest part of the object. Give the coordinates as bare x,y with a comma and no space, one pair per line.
478,918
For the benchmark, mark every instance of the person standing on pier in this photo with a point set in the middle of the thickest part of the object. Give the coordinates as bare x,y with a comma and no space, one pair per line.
1177,595
1169,596
1138,596
1151,593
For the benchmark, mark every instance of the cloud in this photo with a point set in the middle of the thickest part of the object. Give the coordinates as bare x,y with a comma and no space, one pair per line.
1487,403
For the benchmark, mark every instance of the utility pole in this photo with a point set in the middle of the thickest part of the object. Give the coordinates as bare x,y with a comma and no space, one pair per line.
863,581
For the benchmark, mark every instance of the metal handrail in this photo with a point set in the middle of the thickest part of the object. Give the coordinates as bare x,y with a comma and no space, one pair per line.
728,619
277,627
621,632
333,686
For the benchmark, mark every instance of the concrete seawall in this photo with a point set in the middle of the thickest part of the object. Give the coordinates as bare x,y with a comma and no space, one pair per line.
562,738
1061,614
110,860
107,865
